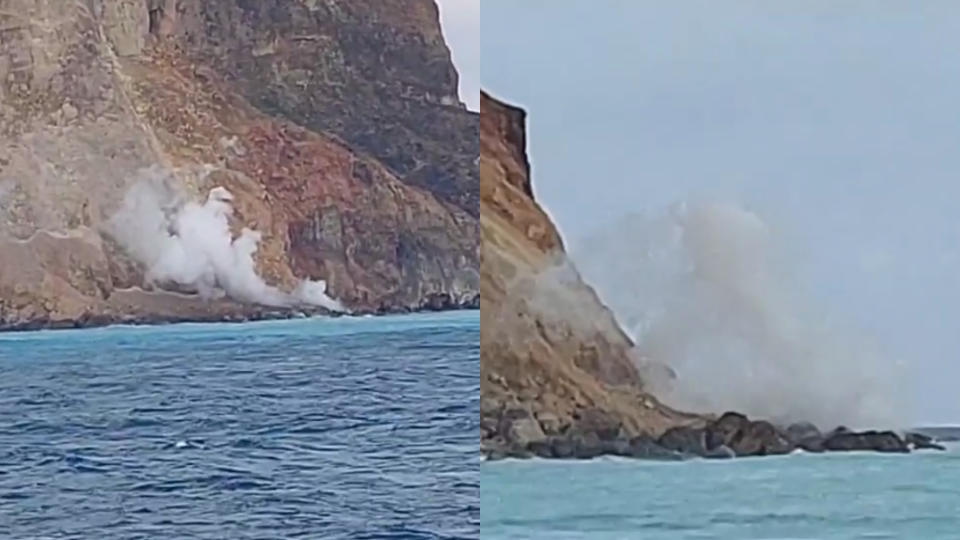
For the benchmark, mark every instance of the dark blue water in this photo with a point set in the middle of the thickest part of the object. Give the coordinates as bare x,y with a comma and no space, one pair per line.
346,428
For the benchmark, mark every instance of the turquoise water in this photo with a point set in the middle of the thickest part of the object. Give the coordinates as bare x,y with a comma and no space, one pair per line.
801,496
317,428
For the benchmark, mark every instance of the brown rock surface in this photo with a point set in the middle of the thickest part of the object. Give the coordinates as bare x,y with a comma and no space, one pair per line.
558,377
375,73
548,345
335,125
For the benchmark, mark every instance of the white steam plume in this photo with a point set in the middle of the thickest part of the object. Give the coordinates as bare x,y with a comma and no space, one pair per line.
190,244
700,289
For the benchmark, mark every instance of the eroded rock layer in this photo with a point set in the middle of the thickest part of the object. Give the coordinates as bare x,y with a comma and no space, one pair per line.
335,125
554,362
559,379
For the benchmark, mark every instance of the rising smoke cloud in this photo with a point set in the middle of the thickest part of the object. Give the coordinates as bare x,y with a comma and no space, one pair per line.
703,289
190,244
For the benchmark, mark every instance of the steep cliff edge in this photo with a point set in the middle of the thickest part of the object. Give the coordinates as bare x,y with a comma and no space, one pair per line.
334,124
559,378
375,73
553,359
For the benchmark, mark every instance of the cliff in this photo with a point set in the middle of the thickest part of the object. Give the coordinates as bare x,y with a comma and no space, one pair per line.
335,125
553,359
558,376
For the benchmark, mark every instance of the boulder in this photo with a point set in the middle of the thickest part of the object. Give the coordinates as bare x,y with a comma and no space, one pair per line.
838,431
562,447
645,447
550,423
919,441
811,444
494,453
744,437
558,447
725,430
542,449
518,433
489,417
488,426
524,431
519,428
489,406
597,421
587,446
803,431
684,439
761,438
617,447
569,447
878,441
593,433
496,449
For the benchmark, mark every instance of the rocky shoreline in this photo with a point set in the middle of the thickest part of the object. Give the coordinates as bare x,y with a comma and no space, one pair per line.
247,314
516,433
558,375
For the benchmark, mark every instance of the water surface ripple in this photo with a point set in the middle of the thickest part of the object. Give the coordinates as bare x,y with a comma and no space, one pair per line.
804,496
316,428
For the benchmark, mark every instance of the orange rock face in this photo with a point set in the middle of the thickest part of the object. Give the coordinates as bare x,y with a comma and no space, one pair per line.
334,124
550,349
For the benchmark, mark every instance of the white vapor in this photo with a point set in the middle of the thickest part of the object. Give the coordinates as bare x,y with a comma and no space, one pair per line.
190,244
703,289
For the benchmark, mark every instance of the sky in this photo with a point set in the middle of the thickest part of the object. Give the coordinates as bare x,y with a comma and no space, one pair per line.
459,19
838,122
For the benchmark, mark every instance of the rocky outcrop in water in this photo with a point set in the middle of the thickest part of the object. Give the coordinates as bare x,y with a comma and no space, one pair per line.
731,435
747,437
919,441
335,125
877,441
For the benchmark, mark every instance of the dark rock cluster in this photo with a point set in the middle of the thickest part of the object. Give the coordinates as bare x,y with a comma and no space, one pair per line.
516,432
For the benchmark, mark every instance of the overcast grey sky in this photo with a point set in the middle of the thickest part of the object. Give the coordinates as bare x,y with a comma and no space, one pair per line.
837,121
459,19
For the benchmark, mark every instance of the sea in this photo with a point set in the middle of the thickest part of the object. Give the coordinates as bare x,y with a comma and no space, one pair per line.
353,428
793,497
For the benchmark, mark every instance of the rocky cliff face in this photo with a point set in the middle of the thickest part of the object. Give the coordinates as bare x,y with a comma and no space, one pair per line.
558,376
553,359
334,123
376,73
